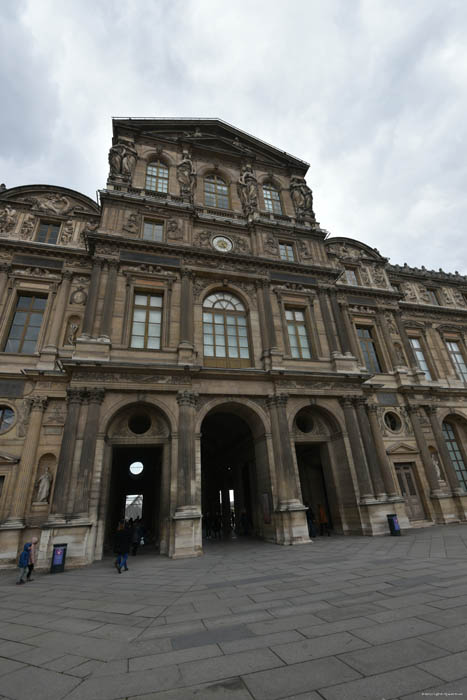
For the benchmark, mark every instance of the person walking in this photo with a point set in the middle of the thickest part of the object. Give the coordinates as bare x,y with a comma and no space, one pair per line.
23,564
32,558
323,521
310,520
122,541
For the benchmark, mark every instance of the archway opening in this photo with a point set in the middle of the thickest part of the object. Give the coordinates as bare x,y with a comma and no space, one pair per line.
313,484
135,494
231,484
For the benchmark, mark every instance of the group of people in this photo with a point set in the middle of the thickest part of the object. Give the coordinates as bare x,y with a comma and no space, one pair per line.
129,536
215,526
323,522
27,561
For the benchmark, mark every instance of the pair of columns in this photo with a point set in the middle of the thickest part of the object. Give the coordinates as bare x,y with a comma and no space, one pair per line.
93,294
374,474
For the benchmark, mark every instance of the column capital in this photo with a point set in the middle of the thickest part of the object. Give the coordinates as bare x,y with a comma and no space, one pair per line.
372,407
347,401
96,395
431,409
76,395
187,398
413,408
5,267
39,403
187,272
277,400
67,275
361,401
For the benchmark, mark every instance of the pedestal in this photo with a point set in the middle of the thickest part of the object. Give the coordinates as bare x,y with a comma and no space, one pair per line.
187,535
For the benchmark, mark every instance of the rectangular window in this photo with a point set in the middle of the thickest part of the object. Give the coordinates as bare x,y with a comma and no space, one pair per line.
457,359
153,231
286,252
367,346
351,276
147,321
420,357
433,297
47,233
455,454
297,332
26,324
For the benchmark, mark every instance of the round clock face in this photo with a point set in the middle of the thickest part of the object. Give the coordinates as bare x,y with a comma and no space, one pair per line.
222,244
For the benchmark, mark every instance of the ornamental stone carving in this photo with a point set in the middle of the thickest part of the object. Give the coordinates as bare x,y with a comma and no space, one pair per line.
247,188
271,245
365,277
8,219
242,244
186,176
174,230
391,324
27,228
79,296
304,249
302,197
379,277
458,298
187,398
202,239
133,223
122,161
67,233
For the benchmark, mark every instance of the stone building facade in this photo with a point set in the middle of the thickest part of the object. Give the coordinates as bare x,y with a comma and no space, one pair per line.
200,321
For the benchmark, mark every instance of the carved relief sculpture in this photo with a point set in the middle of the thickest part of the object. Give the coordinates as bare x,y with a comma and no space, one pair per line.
186,176
8,218
122,161
271,245
27,228
378,276
133,223
302,197
72,329
173,230
67,233
79,296
247,188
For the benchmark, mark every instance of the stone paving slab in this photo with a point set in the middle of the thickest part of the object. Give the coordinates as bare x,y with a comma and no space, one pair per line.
349,618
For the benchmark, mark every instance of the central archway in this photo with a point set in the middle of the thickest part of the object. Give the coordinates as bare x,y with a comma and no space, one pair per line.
236,494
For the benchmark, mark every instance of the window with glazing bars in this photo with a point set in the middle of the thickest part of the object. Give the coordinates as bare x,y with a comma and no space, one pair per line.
153,231
272,200
147,321
455,454
216,193
26,324
225,330
351,276
286,252
367,345
47,232
157,177
433,297
297,332
457,359
420,357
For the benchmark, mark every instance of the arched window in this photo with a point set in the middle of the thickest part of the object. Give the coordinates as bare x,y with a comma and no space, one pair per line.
216,193
272,200
225,331
157,177
455,453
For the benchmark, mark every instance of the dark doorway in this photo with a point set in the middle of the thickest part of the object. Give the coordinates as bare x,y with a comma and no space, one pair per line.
229,493
312,481
136,472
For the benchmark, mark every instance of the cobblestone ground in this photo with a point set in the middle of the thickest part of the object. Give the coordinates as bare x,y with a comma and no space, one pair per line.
340,619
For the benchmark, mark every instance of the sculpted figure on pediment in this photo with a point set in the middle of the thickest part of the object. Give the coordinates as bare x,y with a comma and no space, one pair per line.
364,277
409,291
8,219
302,197
186,176
122,161
247,187
50,202
458,298
378,276
27,228
67,233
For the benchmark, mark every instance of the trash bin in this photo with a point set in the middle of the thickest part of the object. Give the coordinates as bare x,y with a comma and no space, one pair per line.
58,558
393,523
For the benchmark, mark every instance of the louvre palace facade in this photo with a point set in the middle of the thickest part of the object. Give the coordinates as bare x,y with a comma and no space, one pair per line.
199,321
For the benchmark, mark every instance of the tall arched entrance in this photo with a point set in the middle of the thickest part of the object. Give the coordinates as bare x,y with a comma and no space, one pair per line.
236,496
137,474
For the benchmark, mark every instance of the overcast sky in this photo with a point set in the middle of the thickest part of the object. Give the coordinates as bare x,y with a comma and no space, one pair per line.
372,93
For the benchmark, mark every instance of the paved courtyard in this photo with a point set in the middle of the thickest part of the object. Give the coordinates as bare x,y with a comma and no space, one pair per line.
341,619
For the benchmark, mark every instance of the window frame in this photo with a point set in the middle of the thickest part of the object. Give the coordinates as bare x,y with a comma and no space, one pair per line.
457,366
5,406
157,177
287,245
50,223
354,272
270,187
227,361
147,307
374,343
288,307
434,296
218,181
423,350
14,308
459,448
153,222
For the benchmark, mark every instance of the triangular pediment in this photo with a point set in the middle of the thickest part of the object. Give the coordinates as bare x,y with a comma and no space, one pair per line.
208,134
8,459
401,448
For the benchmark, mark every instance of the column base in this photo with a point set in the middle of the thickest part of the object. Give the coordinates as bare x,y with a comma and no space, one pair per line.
186,541
91,349
13,524
373,517
186,354
272,359
344,363
48,358
291,524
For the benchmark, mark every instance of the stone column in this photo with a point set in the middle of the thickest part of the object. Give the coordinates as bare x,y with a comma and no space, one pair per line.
340,326
405,341
61,302
27,463
109,298
370,450
187,401
67,451
326,315
4,270
443,451
361,467
353,342
86,463
186,309
91,303
386,471
383,326
430,470
288,479
268,318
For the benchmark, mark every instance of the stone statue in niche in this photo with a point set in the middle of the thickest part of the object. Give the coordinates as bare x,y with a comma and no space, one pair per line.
72,330
27,228
173,230
302,197
8,219
122,161
186,176
67,233
399,355
435,460
44,484
247,187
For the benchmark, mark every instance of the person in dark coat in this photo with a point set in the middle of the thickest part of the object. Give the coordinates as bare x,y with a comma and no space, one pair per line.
122,542
23,563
